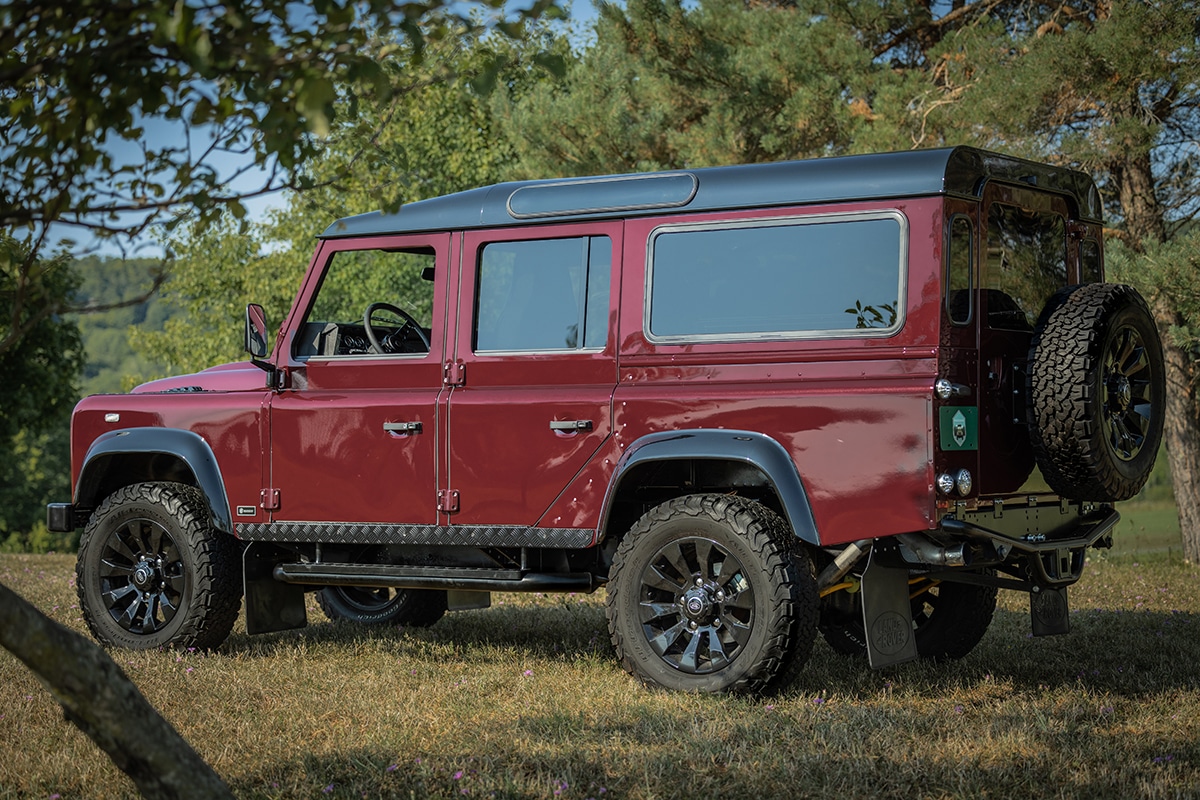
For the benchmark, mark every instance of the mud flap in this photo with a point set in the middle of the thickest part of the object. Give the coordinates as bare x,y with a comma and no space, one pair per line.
1049,611
887,615
270,605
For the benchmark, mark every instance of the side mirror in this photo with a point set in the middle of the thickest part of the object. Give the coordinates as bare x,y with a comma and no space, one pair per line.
256,331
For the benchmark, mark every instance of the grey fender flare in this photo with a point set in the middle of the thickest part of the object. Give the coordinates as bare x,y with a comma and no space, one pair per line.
747,447
172,446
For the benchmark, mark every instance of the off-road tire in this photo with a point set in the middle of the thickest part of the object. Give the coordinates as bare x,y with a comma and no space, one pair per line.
417,608
730,560
949,620
166,530
1096,392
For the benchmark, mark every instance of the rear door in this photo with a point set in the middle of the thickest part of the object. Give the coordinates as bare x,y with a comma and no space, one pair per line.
533,370
1025,261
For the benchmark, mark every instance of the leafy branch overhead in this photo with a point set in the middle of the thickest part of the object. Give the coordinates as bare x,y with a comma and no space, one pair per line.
119,108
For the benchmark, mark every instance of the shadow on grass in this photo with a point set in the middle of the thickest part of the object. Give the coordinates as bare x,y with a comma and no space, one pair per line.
1126,652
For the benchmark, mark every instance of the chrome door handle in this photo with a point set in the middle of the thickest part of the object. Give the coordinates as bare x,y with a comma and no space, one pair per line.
570,425
402,428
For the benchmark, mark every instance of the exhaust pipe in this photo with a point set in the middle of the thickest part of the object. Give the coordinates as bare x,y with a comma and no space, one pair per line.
842,563
916,549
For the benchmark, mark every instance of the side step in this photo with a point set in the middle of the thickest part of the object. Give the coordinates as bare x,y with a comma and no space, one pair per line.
469,579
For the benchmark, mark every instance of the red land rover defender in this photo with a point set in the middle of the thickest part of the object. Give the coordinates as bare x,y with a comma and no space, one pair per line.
850,395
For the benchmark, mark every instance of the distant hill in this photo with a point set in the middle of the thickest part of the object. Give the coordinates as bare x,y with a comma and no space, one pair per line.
112,365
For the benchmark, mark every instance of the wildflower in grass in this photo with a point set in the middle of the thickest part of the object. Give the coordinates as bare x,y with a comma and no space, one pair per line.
458,775
818,701
328,789
528,673
958,709
1164,759
394,767
770,707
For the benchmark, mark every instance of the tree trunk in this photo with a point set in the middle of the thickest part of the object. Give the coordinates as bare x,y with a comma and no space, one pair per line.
103,703
1182,431
1144,222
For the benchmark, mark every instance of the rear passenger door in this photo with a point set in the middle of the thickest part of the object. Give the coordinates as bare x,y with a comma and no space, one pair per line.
533,370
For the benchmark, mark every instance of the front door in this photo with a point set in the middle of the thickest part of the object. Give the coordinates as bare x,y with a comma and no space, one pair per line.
354,435
534,369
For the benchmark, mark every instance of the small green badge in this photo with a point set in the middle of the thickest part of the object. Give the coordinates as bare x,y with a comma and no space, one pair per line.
959,427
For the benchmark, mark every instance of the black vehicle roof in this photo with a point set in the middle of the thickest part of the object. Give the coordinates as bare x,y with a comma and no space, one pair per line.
959,171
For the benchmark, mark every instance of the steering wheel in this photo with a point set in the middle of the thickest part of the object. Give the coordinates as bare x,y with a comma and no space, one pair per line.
409,322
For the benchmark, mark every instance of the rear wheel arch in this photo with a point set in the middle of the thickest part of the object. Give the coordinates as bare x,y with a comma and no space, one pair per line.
143,455
729,461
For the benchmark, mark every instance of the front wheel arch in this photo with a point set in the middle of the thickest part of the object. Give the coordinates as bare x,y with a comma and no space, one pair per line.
147,455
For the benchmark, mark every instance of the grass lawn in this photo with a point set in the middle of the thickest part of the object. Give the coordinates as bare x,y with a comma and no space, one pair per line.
525,700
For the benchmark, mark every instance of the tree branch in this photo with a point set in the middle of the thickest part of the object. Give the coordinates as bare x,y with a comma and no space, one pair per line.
103,703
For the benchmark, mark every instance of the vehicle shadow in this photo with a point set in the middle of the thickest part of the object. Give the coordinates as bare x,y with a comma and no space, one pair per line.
1126,652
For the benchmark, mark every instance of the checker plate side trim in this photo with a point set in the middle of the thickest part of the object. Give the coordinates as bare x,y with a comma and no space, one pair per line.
379,533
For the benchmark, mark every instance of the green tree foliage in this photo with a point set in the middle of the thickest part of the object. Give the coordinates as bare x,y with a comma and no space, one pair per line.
105,298
670,84
37,389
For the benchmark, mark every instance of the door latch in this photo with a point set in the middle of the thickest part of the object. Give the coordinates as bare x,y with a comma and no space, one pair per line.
570,425
402,428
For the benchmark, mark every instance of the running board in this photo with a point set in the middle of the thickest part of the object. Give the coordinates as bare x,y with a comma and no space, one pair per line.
467,579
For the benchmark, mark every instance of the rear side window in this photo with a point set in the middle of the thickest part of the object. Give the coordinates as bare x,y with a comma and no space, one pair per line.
959,257
831,275
1090,262
543,295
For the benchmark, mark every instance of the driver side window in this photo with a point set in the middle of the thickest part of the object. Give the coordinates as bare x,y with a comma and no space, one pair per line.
354,281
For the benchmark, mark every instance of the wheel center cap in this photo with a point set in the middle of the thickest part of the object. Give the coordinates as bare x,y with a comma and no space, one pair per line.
696,604
143,575
1122,392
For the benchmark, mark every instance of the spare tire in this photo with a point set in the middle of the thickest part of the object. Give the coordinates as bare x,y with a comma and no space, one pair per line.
1096,392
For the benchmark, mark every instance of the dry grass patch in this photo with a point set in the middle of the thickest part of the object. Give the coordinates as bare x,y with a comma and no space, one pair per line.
525,700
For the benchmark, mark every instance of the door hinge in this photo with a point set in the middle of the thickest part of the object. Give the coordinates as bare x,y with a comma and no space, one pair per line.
454,373
269,499
448,501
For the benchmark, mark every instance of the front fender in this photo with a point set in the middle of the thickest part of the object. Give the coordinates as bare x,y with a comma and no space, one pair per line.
136,455
747,447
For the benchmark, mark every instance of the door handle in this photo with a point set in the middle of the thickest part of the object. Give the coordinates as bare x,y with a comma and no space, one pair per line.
402,428
570,425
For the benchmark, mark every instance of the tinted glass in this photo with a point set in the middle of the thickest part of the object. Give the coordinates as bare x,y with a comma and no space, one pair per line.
354,280
796,278
1026,263
958,271
543,295
656,191
1089,256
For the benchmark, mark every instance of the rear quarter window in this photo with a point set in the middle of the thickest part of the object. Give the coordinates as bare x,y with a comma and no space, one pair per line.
811,277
